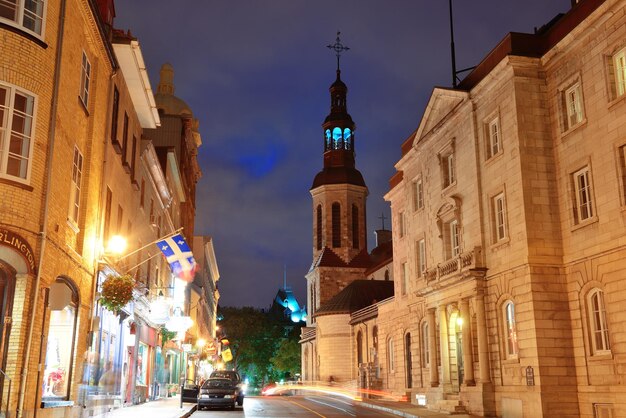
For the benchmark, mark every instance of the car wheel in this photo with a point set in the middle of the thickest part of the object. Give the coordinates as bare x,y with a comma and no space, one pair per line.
232,407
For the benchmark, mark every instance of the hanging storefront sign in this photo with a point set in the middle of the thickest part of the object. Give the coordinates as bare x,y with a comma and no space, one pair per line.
160,311
227,355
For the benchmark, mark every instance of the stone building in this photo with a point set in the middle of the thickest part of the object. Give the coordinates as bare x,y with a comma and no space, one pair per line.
508,226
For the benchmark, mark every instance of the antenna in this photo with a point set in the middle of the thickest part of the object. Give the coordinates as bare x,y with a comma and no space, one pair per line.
455,73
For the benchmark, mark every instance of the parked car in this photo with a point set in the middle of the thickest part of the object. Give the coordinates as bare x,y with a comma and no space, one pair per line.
189,391
218,392
234,377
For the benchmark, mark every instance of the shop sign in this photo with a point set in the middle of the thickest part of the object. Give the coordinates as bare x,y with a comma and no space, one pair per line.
11,239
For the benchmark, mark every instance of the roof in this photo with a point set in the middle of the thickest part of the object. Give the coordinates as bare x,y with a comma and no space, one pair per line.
357,295
380,256
338,175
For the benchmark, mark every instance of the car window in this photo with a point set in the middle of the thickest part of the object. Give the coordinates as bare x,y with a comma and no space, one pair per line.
217,383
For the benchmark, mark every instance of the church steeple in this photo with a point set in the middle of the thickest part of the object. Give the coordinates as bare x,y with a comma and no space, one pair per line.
339,191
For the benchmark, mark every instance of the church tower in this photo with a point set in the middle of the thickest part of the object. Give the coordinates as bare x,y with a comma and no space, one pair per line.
339,192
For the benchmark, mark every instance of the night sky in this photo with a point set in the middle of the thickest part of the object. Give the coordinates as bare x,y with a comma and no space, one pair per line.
256,74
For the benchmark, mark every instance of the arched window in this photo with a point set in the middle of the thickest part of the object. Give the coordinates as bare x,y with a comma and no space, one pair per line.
408,360
355,226
510,330
318,232
359,348
337,138
336,225
327,142
347,138
61,304
424,345
598,323
390,354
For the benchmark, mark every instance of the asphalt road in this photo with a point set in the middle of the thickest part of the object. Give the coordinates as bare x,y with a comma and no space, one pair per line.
309,406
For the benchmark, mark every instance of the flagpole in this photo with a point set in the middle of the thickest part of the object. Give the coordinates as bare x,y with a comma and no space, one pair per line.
171,234
147,259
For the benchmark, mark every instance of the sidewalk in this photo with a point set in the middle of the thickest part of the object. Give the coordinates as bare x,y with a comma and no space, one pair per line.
407,410
161,408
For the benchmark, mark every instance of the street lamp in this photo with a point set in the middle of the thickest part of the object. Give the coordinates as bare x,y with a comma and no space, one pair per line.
117,245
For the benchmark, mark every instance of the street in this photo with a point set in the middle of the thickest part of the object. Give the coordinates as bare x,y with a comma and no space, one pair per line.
290,406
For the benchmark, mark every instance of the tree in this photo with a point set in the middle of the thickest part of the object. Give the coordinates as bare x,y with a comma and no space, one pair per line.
286,360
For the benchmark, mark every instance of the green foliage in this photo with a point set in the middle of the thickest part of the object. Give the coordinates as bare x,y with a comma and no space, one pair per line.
166,335
117,291
256,339
286,359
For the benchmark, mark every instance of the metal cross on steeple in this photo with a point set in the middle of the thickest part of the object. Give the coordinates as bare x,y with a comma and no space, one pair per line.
338,47
383,217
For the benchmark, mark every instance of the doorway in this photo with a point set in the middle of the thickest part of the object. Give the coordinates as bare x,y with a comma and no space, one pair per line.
457,370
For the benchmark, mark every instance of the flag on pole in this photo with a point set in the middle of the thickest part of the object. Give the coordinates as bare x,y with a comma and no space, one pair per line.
179,257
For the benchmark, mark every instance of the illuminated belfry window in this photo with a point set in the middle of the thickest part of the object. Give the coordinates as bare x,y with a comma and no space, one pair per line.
338,139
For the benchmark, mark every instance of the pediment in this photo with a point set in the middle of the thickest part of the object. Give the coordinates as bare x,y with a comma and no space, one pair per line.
441,104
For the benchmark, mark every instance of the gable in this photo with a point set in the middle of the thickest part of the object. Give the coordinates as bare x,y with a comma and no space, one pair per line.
441,104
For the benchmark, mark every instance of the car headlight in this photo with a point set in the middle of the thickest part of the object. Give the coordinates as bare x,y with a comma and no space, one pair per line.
204,395
229,396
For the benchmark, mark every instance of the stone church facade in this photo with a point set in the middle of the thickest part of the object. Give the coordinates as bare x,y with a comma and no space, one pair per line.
509,235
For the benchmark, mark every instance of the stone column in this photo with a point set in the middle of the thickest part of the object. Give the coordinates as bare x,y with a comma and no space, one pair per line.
432,347
468,358
481,328
444,345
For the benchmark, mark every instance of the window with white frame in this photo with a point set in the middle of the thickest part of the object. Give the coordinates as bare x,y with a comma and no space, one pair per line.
418,194
510,330
24,14
449,171
598,323
17,124
85,76
455,238
583,195
390,355
77,174
495,145
499,216
421,257
425,345
573,104
619,69
405,279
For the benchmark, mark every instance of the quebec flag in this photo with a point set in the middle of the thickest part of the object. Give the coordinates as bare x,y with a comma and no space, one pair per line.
179,257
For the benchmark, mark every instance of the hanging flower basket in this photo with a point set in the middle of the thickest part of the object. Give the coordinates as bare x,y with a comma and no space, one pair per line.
117,291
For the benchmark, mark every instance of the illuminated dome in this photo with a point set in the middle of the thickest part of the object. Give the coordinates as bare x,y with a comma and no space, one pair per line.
165,99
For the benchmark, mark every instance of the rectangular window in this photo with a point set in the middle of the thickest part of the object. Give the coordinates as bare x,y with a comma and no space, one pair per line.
125,139
619,67
77,174
107,216
449,173
114,115
582,187
26,14
418,194
405,279
455,239
142,195
17,124
622,165
494,138
573,106
133,156
499,213
599,324
85,76
401,224
421,257
120,217
603,410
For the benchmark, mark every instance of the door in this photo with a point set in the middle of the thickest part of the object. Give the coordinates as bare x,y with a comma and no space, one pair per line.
409,365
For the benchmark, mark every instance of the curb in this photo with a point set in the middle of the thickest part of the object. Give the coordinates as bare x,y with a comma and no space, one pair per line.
191,411
389,410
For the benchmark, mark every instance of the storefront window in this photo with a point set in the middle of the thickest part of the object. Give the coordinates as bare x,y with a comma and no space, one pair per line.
142,364
62,302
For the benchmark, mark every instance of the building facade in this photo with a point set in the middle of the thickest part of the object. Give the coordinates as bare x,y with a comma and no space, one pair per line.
507,217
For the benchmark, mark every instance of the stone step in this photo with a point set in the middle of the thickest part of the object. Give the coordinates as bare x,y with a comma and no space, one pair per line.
451,406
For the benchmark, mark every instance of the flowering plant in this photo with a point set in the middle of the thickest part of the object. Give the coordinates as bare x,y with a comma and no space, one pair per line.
117,291
56,375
